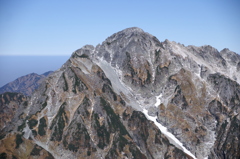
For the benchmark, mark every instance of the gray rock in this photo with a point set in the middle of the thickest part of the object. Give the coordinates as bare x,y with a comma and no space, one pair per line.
92,107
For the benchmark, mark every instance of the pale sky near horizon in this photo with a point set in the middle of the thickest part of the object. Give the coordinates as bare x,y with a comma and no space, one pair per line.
60,27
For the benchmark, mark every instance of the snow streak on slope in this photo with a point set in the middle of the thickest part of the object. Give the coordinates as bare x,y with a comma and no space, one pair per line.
120,87
168,134
158,100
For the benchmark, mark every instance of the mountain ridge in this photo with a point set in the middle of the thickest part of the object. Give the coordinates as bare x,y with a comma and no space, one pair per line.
25,84
106,102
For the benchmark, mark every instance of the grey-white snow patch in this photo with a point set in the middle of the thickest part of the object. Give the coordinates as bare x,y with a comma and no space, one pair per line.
173,140
158,99
118,86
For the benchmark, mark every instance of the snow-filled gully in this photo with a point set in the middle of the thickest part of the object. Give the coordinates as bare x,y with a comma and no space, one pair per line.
120,87
164,130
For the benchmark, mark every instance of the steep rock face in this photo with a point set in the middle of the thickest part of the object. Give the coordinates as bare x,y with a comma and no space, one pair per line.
132,52
25,84
95,105
226,112
178,75
84,118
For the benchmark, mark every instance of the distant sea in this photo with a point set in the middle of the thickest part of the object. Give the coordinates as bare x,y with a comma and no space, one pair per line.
12,67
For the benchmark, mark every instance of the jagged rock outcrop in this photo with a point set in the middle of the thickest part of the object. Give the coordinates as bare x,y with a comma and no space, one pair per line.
26,84
114,100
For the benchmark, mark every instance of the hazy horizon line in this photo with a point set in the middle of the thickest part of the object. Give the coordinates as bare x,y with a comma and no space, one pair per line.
35,55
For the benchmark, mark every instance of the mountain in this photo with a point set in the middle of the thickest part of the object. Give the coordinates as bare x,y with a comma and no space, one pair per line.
132,97
25,84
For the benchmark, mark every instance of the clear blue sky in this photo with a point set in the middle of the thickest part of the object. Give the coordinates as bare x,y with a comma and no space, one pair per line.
58,27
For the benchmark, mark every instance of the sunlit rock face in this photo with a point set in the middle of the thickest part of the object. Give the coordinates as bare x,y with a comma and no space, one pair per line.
95,105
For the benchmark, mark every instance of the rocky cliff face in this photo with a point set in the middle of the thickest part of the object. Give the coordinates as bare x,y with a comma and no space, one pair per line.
26,84
116,100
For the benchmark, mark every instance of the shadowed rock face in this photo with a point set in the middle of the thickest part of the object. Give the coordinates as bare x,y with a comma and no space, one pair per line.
92,107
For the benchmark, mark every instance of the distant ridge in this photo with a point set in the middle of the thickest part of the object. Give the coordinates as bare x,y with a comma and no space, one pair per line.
25,84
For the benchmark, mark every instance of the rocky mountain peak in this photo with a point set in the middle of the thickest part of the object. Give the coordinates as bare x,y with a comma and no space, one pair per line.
84,52
132,30
133,97
129,34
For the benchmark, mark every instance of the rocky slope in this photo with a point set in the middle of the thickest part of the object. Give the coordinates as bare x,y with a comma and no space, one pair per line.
13,120
116,100
26,84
